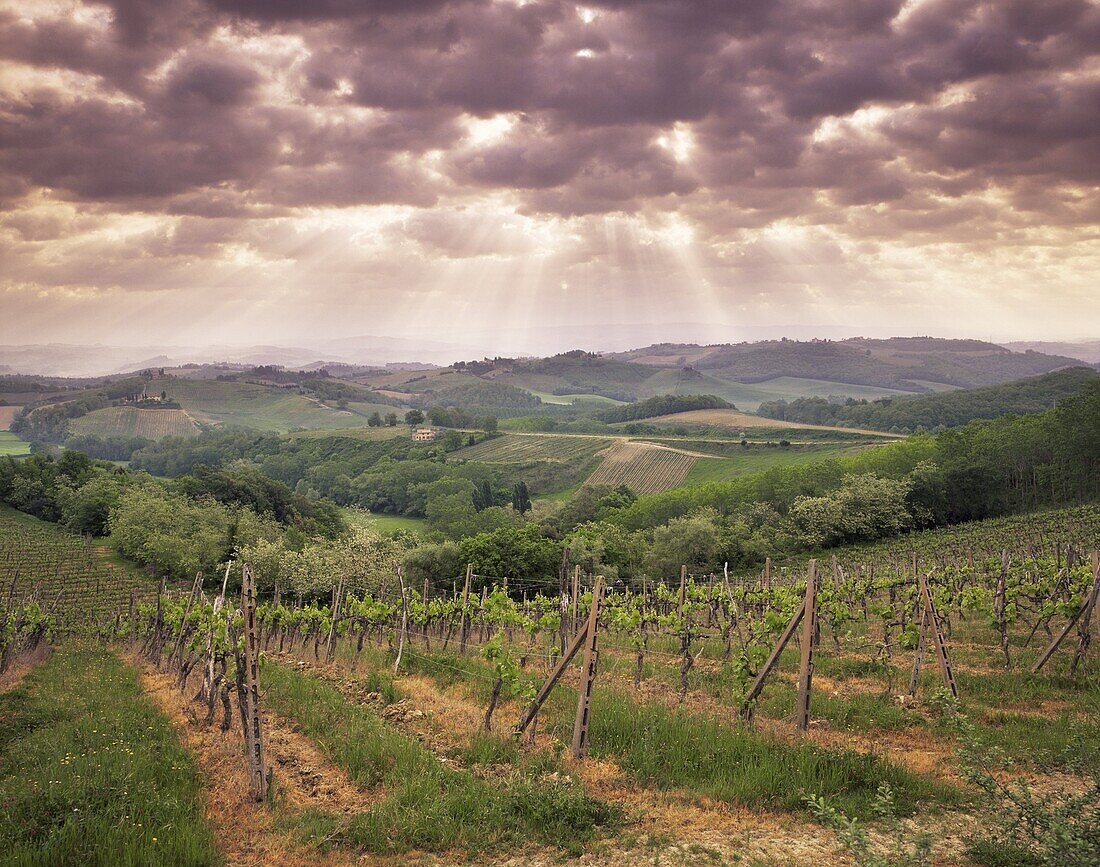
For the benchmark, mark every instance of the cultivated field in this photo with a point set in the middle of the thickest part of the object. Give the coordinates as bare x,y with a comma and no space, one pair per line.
525,448
262,407
731,418
388,728
643,467
129,421
7,415
40,560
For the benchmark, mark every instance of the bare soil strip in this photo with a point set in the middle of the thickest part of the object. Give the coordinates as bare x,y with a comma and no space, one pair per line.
245,831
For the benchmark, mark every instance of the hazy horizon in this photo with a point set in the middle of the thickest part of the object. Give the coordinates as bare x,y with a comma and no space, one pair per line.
524,177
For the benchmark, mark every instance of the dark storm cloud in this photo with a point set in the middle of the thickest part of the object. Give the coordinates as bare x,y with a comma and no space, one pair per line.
179,107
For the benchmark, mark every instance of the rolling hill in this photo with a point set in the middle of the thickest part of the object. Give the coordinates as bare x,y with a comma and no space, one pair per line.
916,364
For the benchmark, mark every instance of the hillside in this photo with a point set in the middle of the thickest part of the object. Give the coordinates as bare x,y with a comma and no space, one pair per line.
949,409
916,364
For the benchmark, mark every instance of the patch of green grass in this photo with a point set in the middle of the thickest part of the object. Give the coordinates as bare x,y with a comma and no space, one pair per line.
684,750
92,774
1062,741
758,458
490,749
860,712
427,806
10,444
384,523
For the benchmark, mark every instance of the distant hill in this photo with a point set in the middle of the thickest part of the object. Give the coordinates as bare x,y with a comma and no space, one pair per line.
949,409
1085,350
916,364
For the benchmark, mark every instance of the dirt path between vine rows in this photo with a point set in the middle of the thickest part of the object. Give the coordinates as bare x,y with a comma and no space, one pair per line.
245,831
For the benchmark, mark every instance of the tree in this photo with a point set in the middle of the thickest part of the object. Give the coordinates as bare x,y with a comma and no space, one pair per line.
414,417
391,419
484,498
521,498
374,420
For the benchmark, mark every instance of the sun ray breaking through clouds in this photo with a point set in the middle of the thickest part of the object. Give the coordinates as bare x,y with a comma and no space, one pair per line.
455,170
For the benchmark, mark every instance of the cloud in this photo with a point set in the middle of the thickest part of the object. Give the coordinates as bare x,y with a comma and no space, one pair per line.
484,131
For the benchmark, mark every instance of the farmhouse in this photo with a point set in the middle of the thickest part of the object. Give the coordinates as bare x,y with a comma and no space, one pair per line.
423,435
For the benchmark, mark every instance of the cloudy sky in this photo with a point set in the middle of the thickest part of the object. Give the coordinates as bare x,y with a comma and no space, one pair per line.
280,171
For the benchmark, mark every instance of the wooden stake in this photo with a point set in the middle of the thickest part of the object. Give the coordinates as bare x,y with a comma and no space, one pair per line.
254,725
404,620
1084,630
999,605
576,592
918,659
464,632
186,611
1085,609
773,658
588,674
555,675
809,631
937,640
683,586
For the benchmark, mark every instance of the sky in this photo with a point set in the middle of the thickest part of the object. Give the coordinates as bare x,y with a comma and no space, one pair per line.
508,174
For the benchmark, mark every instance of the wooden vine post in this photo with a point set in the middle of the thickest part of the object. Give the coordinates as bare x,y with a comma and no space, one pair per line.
464,632
809,636
195,588
404,620
588,674
1083,614
930,620
918,657
1084,628
1000,604
253,724
784,639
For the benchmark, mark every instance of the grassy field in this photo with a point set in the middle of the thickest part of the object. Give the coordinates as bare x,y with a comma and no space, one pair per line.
757,459
749,396
92,773
262,407
523,448
735,420
570,399
384,523
10,444
129,421
357,433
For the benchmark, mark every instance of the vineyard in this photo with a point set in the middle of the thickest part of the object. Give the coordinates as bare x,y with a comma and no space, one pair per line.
129,421
454,717
643,467
520,449
61,575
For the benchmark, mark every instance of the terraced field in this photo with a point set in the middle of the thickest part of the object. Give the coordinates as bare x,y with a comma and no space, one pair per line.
522,449
129,421
643,467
